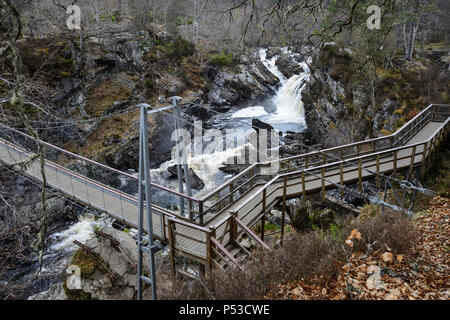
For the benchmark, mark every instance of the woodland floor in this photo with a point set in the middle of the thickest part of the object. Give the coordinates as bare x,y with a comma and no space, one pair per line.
381,275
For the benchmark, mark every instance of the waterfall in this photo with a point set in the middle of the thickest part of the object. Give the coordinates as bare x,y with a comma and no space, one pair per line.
288,99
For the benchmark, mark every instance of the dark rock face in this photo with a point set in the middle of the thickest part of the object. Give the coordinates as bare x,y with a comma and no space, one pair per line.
124,54
295,143
252,82
288,67
196,182
126,155
199,111
331,118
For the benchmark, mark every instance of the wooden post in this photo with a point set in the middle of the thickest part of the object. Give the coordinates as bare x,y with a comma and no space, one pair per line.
264,200
360,174
378,172
208,255
263,226
424,155
413,157
324,159
231,193
303,188
200,212
341,173
233,227
395,161
283,213
191,215
251,177
172,248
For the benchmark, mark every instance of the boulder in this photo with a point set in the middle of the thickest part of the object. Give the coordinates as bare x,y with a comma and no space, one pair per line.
276,218
288,66
57,210
196,182
258,124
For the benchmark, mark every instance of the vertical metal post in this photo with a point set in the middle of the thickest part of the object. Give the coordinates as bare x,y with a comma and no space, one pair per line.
182,164
144,177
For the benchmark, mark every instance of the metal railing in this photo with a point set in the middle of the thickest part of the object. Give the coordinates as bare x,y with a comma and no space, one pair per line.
309,172
220,199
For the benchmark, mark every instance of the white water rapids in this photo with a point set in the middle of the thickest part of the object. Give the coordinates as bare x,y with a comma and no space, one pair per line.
288,115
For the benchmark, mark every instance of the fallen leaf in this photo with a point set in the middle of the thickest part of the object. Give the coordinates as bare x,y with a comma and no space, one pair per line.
349,242
387,257
346,267
297,291
400,258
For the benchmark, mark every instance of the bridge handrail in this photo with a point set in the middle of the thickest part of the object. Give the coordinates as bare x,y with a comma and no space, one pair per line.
422,116
99,185
296,173
99,164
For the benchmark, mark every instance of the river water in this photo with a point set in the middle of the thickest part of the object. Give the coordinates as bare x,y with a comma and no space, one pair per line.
284,111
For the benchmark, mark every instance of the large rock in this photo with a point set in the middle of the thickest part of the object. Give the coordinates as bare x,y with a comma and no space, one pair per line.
339,112
196,182
288,66
117,278
124,53
126,155
251,82
258,124
56,209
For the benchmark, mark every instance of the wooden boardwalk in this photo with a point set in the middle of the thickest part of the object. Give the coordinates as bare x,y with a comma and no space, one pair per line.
251,194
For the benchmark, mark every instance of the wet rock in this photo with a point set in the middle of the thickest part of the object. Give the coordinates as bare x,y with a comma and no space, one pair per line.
252,82
233,168
118,279
196,182
288,66
258,124
56,292
199,111
276,218
57,210
124,53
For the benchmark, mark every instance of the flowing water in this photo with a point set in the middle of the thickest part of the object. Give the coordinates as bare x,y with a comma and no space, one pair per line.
284,111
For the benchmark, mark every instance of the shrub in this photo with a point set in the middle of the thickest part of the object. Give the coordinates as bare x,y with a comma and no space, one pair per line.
318,254
221,59
180,48
393,229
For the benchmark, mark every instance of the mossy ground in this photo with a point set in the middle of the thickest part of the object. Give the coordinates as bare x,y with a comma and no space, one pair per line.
88,264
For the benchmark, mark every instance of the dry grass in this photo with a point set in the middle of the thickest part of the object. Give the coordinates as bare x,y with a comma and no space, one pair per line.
319,254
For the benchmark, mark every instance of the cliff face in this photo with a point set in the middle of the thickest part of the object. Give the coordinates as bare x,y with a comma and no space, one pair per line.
344,104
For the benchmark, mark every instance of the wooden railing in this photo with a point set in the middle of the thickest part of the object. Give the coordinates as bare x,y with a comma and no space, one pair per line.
415,151
223,196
